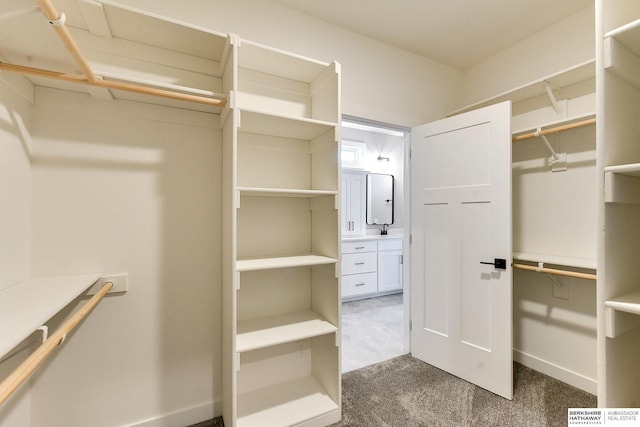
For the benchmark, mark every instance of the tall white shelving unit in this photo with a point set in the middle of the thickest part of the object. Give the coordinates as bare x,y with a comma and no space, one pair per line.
618,88
281,238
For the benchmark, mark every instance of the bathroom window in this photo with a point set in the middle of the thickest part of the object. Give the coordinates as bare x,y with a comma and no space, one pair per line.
352,155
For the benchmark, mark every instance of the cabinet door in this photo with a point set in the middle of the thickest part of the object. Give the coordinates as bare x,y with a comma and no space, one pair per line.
389,270
353,204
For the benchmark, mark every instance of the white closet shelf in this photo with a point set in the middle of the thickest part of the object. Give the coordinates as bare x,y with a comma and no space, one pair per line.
556,260
266,332
629,303
632,169
628,35
268,60
283,126
622,184
284,192
561,79
616,321
288,403
283,262
622,52
26,306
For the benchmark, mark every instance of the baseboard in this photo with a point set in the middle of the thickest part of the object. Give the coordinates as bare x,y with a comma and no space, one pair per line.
184,417
558,372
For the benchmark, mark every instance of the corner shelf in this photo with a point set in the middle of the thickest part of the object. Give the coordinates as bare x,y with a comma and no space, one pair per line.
26,306
265,332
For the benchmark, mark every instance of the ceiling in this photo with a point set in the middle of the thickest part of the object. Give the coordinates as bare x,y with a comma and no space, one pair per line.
459,33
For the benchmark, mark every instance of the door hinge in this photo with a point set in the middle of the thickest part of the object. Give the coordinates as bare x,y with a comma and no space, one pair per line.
410,325
401,259
411,239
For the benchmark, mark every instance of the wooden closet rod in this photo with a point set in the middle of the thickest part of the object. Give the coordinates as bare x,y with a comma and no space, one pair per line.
57,20
555,129
21,69
89,78
556,271
31,363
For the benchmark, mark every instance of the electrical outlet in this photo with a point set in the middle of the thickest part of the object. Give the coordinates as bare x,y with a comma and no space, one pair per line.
120,283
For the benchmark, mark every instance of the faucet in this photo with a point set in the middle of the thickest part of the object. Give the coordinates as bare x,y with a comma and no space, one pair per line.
385,230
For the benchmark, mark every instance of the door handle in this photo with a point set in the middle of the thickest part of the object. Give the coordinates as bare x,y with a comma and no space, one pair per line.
498,263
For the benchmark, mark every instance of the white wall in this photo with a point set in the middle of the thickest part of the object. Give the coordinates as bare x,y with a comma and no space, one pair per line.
563,45
15,218
126,187
379,82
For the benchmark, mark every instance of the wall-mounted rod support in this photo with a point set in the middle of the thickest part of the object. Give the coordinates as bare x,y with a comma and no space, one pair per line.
548,144
110,84
31,363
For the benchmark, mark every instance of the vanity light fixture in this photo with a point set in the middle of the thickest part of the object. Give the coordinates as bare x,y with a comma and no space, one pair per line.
382,159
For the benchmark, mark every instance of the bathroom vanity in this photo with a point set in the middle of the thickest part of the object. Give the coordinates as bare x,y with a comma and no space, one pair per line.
371,266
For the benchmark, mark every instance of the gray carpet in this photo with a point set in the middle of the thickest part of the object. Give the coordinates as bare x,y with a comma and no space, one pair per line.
406,392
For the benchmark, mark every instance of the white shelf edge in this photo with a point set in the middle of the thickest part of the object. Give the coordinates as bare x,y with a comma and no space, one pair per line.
616,321
282,262
623,29
27,305
508,94
288,403
266,332
632,169
283,192
300,119
557,260
564,121
629,303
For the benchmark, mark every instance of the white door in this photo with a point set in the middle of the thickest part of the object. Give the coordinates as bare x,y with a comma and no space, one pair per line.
461,307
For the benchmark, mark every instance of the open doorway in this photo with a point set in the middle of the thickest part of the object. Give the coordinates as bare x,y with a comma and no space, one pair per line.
375,308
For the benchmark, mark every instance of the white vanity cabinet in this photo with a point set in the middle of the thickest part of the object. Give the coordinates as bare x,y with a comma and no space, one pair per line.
390,265
354,189
371,266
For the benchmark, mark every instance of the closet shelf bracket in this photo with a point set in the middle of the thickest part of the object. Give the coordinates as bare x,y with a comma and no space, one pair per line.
552,98
558,161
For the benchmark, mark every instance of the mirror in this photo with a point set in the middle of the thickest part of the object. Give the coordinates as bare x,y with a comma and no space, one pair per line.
379,199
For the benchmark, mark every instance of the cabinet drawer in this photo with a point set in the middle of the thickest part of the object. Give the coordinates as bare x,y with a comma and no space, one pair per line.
359,263
355,247
359,284
389,245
